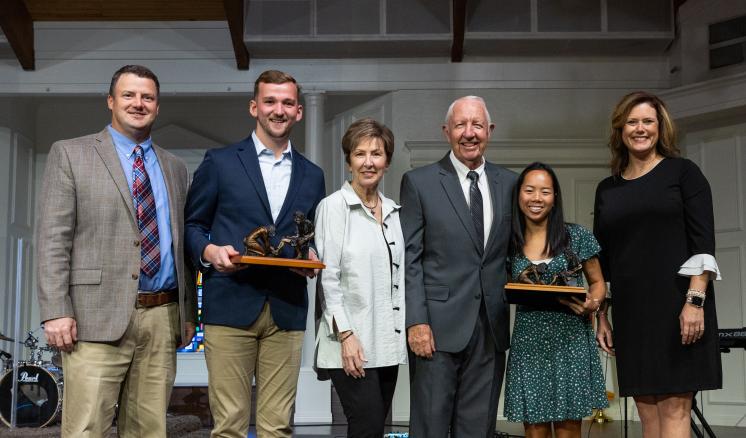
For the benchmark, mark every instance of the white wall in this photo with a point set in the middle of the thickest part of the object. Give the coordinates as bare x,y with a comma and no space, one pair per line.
16,219
519,115
221,120
690,54
555,125
721,154
552,107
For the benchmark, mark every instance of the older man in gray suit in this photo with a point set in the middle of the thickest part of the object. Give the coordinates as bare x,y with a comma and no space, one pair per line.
456,221
114,293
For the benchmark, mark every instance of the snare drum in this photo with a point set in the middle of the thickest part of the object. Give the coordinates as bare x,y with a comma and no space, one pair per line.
39,400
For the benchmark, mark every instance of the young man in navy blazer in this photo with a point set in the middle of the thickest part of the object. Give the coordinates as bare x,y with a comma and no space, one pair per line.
254,316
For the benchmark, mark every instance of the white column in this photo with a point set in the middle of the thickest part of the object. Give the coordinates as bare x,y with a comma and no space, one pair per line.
313,402
313,113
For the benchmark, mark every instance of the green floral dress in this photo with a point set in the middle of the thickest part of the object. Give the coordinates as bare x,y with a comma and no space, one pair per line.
554,372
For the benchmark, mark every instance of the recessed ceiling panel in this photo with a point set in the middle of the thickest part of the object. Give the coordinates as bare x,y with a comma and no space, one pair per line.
418,16
569,15
639,15
279,17
498,16
348,17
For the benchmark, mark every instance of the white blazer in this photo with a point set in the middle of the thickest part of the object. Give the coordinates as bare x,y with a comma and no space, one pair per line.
363,286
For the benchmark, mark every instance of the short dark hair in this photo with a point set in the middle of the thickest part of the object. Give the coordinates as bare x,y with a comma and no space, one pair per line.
274,77
557,237
365,128
137,70
666,145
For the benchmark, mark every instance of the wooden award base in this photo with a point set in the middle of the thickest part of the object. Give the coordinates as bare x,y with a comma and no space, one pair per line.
277,261
538,294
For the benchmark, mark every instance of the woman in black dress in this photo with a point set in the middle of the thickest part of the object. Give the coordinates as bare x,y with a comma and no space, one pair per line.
654,222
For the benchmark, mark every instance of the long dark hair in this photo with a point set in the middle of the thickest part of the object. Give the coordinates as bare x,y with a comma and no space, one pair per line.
557,238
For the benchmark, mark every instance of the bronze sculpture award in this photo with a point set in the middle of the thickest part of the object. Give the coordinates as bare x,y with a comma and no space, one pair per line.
258,249
530,290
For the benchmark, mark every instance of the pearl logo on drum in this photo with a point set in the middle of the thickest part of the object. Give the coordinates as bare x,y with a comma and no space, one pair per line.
39,397
24,377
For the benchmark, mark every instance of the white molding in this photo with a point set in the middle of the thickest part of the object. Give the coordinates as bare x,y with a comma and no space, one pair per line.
347,38
729,420
22,173
314,399
196,58
173,136
219,76
707,96
191,369
549,36
557,152
708,85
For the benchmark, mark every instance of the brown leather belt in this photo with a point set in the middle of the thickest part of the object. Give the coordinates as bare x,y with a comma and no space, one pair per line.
153,299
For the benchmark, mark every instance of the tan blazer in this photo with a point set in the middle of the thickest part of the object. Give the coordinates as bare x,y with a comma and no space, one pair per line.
87,241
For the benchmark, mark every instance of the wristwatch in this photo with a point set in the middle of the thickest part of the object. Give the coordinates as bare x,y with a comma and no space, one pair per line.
695,301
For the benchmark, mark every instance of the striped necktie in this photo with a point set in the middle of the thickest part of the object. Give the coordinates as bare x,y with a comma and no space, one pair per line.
475,205
150,252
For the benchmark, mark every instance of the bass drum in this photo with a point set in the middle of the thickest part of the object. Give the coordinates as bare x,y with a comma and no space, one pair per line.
39,400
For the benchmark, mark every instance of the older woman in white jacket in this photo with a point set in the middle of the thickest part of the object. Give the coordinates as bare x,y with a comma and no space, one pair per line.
361,336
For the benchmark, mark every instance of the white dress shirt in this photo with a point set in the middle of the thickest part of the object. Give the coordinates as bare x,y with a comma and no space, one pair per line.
363,287
276,173
484,187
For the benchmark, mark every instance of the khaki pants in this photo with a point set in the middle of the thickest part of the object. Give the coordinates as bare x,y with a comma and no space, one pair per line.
141,366
234,356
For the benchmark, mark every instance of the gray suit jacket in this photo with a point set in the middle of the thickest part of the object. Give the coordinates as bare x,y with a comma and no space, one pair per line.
87,240
448,273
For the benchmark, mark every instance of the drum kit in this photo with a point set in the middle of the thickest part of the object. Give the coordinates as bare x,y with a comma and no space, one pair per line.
40,382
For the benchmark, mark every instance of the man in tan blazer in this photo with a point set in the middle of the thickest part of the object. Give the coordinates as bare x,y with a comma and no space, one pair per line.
114,293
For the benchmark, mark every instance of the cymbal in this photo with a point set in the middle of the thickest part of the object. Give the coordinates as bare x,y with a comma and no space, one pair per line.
5,338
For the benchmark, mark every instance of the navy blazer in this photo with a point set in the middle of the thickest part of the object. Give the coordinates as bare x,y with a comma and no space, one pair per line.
226,201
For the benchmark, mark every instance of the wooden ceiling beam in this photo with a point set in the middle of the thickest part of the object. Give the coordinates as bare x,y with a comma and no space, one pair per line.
459,28
18,28
234,14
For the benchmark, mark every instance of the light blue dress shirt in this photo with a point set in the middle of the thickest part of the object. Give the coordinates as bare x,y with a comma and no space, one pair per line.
276,173
165,278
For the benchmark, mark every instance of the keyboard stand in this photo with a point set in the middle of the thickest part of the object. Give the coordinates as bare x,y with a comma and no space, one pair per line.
702,420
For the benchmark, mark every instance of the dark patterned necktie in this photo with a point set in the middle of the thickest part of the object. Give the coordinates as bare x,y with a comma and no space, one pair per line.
150,252
475,204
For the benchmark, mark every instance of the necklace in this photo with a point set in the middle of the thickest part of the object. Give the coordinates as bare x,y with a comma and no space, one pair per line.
373,208
362,200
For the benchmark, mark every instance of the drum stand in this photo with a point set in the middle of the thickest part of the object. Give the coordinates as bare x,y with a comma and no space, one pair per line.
702,420
17,330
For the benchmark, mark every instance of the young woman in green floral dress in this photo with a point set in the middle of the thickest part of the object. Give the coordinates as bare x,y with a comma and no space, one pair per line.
554,375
